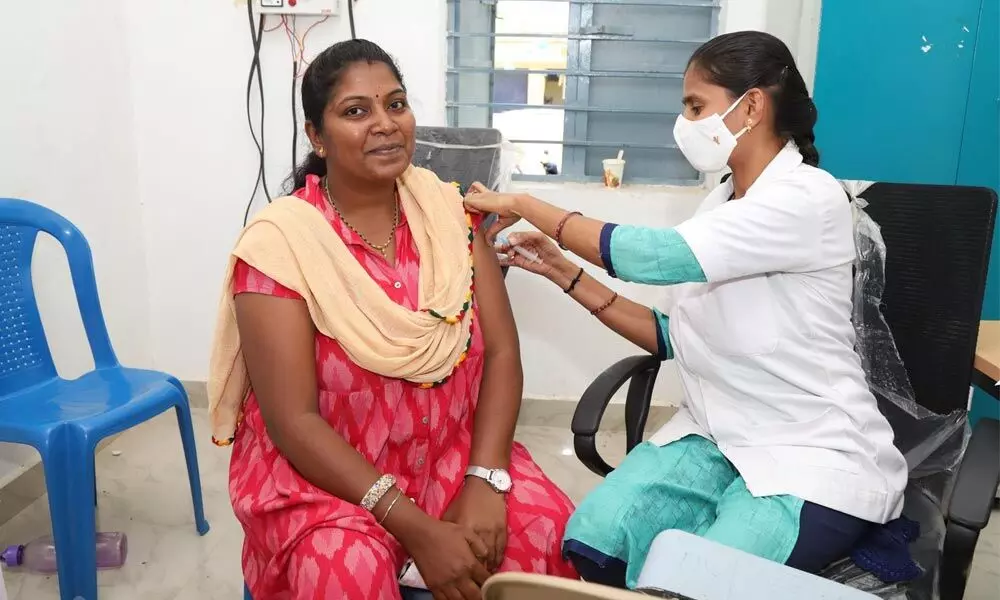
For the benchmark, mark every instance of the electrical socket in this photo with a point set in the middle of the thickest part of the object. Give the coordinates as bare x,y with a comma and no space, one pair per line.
297,7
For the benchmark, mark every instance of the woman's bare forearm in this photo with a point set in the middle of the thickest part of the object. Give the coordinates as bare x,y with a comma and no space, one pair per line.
327,461
580,235
496,414
629,319
322,456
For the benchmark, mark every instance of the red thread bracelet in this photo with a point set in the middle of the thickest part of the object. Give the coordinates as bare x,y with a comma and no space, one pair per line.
562,224
605,306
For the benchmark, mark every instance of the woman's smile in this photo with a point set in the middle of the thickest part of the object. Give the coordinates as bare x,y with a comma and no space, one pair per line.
387,150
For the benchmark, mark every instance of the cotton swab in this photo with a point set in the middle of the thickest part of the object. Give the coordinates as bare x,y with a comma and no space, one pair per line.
505,241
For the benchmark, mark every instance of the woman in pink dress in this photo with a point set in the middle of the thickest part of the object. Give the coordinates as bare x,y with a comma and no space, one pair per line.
321,434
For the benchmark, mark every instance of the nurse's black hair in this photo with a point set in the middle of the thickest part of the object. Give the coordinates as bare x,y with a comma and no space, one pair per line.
753,59
318,84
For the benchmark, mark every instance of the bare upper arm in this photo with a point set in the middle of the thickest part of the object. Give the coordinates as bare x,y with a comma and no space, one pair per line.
495,315
278,343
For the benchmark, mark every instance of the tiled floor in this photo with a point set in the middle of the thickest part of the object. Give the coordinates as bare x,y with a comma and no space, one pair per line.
144,492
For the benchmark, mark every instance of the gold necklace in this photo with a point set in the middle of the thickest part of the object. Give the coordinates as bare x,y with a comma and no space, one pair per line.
380,248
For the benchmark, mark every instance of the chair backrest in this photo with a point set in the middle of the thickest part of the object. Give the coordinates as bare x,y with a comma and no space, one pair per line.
462,154
937,252
25,358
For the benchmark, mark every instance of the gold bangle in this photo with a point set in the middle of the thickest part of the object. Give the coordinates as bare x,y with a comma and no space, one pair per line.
391,504
377,491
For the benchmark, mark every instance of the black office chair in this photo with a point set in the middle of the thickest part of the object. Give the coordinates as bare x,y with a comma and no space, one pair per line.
462,154
938,245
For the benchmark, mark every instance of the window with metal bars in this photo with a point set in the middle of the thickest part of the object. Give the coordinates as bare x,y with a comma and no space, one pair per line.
572,82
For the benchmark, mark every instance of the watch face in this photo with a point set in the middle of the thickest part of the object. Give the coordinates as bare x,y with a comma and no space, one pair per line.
500,480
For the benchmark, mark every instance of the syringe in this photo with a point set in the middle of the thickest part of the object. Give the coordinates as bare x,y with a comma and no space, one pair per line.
503,240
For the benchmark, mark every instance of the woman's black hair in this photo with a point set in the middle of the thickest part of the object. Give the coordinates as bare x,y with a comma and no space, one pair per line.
752,59
318,84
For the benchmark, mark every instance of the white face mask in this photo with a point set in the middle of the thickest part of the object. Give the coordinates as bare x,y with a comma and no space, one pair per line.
707,143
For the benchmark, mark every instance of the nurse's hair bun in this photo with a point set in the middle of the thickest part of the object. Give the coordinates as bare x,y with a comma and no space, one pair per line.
745,60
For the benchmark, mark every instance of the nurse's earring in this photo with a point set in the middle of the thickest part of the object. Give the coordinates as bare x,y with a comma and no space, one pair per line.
749,125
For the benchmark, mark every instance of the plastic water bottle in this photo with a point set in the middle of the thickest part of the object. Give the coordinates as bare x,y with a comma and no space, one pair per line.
40,555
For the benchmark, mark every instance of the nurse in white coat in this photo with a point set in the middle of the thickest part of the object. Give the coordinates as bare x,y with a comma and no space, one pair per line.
778,448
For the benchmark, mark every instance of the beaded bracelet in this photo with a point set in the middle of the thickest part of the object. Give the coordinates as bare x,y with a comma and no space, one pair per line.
377,491
562,225
605,306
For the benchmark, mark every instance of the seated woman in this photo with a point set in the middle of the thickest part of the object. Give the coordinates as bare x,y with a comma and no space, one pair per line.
381,393
778,448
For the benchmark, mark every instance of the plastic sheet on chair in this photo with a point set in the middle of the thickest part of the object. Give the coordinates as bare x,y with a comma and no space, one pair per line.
933,444
465,155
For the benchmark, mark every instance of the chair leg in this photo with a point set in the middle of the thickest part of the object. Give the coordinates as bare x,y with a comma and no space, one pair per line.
70,485
191,457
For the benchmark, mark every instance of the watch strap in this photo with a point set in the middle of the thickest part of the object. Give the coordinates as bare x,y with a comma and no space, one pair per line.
480,472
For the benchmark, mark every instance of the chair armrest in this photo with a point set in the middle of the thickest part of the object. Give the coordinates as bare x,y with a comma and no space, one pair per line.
978,477
969,509
641,371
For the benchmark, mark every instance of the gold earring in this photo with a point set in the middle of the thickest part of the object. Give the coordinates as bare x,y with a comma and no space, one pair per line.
749,125
321,152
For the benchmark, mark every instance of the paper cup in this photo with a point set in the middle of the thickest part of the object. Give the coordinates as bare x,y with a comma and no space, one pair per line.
613,170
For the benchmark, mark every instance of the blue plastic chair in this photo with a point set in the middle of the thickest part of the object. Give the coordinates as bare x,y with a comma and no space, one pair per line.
64,420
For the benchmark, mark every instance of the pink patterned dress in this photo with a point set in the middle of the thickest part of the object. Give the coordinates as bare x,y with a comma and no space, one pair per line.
304,543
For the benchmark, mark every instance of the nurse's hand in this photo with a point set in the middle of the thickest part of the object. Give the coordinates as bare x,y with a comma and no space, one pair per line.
551,264
483,201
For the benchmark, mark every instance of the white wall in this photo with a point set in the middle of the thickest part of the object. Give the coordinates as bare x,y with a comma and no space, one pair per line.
795,22
66,142
189,64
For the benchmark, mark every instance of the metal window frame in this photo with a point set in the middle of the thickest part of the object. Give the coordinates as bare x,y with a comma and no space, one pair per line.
580,36
674,3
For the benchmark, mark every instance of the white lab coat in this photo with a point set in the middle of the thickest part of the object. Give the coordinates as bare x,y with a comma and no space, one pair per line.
765,349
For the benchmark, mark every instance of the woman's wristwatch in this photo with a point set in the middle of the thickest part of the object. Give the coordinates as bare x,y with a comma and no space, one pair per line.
499,479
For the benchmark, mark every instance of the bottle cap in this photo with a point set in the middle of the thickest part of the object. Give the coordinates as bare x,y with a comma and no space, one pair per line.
13,556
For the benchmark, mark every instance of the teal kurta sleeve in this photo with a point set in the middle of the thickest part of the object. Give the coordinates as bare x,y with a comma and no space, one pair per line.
664,349
649,255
